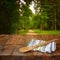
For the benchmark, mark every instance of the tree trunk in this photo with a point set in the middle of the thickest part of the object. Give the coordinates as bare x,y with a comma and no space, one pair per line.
41,25
55,15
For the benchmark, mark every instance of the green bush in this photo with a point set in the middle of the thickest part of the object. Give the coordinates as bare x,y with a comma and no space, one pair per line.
9,16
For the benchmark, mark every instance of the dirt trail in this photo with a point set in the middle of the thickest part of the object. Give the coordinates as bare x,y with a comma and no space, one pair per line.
31,32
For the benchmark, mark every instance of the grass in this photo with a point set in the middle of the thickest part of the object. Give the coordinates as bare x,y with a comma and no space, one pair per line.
46,32
22,31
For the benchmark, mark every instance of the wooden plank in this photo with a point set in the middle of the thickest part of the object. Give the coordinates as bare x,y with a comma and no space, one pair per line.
13,40
56,58
16,51
21,40
8,47
35,58
9,40
56,53
9,57
2,35
28,38
2,40
6,52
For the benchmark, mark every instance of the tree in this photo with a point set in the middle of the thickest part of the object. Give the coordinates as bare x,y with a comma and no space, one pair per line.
25,15
9,16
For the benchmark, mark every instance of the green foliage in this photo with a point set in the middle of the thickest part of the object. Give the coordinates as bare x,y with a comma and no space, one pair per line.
36,21
13,18
25,17
9,16
45,32
58,17
22,31
44,18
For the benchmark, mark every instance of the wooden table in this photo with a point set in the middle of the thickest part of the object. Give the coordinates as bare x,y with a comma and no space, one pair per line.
10,44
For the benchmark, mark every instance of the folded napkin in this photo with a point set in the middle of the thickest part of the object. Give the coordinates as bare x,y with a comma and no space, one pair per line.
51,47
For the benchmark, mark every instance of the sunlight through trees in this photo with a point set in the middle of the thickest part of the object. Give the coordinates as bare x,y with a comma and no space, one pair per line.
29,14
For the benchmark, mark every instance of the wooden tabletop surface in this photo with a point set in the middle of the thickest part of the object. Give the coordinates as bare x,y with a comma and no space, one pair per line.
10,44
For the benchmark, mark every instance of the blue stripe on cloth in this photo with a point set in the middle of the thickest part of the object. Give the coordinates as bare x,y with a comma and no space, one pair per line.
51,47
30,43
33,43
44,48
47,48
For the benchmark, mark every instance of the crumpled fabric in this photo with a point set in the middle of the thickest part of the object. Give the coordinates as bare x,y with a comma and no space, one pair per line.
49,48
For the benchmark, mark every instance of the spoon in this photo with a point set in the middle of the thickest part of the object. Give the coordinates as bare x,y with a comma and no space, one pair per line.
26,49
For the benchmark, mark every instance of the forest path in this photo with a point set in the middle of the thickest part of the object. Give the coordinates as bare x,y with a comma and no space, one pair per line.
31,32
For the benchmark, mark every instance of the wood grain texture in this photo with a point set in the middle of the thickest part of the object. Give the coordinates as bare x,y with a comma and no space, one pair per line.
10,44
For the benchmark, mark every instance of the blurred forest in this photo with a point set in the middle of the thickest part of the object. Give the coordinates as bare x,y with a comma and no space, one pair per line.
16,15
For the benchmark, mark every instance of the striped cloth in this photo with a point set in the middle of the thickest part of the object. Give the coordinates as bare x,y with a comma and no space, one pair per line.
51,47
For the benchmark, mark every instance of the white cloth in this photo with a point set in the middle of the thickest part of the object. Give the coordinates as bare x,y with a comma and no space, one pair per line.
51,47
